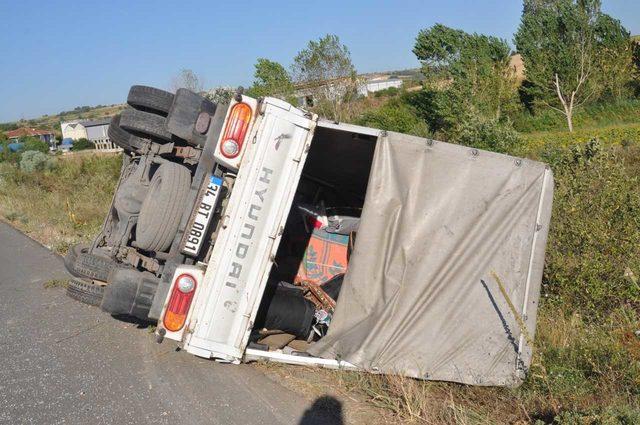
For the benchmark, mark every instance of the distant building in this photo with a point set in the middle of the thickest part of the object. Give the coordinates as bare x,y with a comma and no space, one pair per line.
44,135
378,84
73,130
337,88
95,131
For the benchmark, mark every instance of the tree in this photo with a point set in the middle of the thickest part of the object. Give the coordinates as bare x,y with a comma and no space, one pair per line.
34,144
82,144
271,79
563,45
325,71
615,57
222,95
187,79
469,87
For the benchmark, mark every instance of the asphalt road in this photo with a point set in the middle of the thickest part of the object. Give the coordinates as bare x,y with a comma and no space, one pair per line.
65,362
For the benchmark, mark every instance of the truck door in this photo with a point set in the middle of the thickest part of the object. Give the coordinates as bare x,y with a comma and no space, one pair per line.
236,275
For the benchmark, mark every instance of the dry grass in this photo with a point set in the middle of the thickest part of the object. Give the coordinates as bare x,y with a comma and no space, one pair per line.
581,374
56,283
63,206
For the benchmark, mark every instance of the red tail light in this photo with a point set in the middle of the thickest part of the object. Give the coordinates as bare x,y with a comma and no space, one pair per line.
236,130
176,313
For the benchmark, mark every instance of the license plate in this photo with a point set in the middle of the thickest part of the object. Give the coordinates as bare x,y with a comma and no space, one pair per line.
207,206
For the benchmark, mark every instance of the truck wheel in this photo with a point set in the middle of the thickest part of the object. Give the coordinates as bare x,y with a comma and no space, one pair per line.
163,206
124,139
145,123
94,266
85,292
72,256
150,99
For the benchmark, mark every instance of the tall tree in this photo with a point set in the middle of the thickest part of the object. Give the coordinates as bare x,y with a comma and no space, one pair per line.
324,69
564,44
466,70
271,79
187,79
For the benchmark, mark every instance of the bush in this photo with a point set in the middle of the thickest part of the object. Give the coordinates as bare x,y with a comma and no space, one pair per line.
395,116
491,134
31,161
593,255
35,144
6,154
82,144
388,92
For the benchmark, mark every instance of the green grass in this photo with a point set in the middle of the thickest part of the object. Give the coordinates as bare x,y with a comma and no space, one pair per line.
607,115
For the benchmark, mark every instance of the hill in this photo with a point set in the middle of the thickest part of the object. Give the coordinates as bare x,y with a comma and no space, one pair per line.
52,122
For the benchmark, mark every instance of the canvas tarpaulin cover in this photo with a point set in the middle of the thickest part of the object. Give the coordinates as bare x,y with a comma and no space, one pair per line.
443,227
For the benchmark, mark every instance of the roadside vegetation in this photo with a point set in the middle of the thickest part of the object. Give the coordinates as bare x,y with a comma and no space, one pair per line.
577,108
60,203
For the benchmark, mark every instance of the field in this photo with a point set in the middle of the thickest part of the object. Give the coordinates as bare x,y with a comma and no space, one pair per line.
587,360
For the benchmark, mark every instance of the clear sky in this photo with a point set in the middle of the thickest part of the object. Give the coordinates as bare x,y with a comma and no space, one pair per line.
56,55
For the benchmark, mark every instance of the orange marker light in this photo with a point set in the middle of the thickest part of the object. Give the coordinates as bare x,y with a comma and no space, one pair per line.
179,302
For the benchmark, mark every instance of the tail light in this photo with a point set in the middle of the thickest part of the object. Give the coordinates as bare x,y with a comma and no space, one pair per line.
178,307
235,130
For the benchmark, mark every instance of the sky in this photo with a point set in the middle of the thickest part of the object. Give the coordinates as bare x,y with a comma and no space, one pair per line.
56,55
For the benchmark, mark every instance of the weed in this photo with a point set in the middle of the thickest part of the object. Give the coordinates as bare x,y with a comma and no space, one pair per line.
56,283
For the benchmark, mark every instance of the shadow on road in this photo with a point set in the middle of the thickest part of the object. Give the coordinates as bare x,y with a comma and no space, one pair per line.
326,410
140,324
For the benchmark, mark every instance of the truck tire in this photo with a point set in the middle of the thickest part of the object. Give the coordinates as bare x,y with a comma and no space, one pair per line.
163,206
124,139
86,292
145,123
94,266
150,99
72,256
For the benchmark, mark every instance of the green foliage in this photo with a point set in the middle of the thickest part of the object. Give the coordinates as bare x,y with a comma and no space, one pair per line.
601,114
271,79
82,144
480,132
395,116
594,253
573,53
31,161
614,135
469,87
326,71
221,95
471,69
388,92
580,361
35,144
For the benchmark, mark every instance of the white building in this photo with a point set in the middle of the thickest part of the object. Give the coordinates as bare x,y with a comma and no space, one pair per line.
337,88
95,131
377,84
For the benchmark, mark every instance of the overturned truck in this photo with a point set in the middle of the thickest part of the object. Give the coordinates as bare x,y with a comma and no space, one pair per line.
255,230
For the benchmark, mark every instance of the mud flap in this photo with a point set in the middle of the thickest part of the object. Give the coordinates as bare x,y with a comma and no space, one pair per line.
130,293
